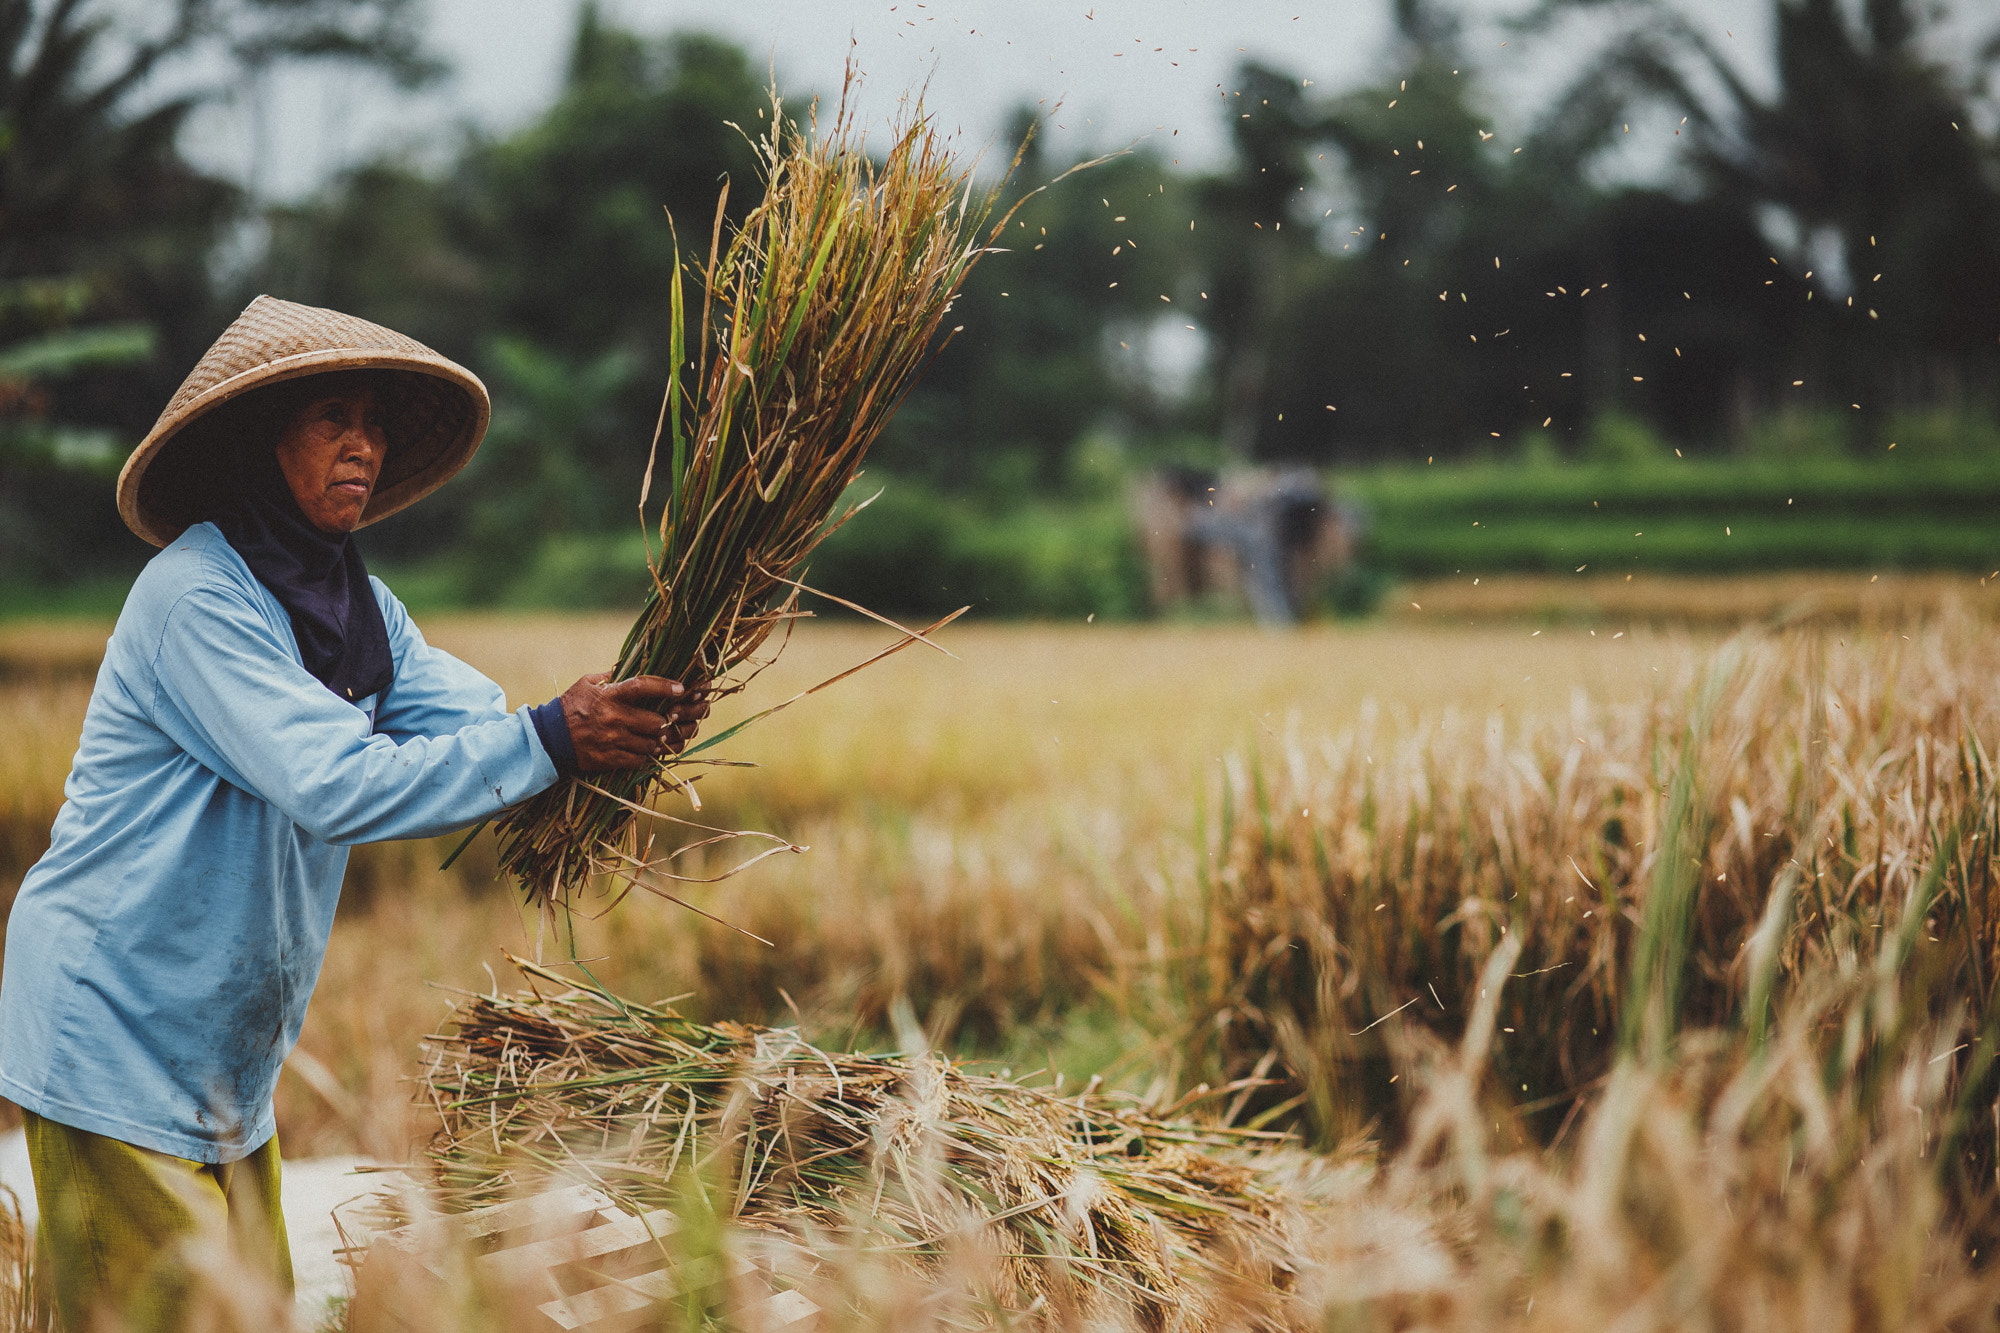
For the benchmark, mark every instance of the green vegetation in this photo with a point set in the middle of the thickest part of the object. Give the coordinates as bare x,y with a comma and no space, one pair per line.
1679,387
1446,279
922,548
113,241
915,549
1709,515
923,551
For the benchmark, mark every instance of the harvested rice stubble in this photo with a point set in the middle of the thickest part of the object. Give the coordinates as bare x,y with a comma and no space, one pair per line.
1083,1202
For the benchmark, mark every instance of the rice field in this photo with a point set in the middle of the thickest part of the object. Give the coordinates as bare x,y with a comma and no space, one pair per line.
971,821
1598,970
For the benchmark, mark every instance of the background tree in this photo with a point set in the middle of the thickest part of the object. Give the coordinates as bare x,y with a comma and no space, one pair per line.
540,472
107,233
1057,329
1865,160
1451,285
1251,262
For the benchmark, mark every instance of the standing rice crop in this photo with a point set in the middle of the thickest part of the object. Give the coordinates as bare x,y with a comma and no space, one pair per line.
1799,802
817,316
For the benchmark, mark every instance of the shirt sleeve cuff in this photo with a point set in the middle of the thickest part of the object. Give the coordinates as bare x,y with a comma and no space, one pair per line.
553,730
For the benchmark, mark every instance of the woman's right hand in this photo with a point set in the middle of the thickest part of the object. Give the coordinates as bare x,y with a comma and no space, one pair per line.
630,723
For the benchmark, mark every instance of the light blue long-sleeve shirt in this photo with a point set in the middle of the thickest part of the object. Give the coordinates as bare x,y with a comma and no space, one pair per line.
160,956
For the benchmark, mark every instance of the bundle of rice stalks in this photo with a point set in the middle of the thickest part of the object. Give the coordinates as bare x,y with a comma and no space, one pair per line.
1080,1203
818,315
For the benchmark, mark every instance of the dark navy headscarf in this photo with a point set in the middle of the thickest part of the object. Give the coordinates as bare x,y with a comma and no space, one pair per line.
319,580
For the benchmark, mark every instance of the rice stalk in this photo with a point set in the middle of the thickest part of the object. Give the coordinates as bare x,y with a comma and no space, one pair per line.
1660,953
817,316
1722,1183
21,1301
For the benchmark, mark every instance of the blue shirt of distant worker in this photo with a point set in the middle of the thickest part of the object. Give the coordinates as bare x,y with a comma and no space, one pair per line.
263,705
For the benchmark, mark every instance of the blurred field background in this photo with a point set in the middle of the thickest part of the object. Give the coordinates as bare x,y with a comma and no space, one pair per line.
1546,286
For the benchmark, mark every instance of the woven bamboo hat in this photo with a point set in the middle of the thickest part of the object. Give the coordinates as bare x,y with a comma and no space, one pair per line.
184,467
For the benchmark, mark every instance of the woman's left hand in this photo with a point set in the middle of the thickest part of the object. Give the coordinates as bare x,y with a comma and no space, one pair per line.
611,728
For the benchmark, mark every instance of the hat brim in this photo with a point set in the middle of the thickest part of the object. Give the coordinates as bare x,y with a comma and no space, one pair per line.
181,469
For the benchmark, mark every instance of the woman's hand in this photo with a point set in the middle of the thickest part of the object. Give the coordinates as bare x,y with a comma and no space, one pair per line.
612,727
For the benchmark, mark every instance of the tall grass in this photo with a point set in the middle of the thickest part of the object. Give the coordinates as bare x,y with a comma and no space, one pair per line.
1723,1186
1782,809
982,831
1005,841
44,715
1773,874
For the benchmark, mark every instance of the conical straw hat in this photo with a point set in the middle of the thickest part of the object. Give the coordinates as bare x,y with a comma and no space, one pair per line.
183,467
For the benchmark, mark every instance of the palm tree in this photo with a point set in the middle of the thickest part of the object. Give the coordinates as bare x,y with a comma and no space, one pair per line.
107,232
1273,125
92,180
1866,158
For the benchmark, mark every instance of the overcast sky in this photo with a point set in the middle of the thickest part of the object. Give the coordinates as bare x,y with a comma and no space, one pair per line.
1118,69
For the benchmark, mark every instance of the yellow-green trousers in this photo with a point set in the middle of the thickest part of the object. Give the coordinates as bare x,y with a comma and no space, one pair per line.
123,1229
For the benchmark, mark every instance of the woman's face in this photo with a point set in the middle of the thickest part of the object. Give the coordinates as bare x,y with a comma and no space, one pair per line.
331,454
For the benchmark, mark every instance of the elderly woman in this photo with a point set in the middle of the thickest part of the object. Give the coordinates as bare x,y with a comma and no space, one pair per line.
263,705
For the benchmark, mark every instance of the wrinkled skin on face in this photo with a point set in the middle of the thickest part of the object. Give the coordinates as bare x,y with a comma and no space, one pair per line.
331,453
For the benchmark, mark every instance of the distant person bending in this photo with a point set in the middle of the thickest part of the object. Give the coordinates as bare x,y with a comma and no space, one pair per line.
263,705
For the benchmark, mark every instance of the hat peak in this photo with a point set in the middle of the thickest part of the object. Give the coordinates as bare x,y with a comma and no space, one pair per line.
271,330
